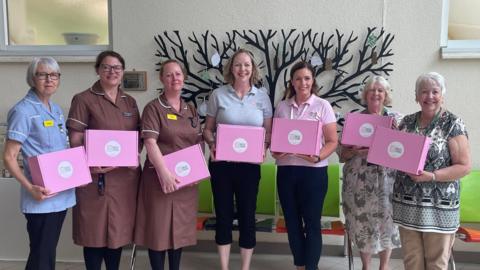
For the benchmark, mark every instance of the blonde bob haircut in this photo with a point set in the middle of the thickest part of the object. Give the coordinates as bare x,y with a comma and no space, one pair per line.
227,70
384,83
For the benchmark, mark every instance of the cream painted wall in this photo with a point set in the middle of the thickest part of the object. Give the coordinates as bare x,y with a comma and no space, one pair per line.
416,25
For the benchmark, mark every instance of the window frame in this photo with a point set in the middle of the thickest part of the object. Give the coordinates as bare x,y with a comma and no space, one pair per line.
66,52
456,49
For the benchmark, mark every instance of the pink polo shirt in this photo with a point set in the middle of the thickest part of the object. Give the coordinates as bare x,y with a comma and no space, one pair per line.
315,108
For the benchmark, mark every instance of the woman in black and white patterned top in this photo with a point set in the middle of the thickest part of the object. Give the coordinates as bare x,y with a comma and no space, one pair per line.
426,206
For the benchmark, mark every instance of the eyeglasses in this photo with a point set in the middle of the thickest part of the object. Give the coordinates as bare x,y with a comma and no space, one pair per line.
108,68
42,76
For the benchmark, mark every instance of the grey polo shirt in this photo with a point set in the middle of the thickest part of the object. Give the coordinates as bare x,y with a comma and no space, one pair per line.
227,108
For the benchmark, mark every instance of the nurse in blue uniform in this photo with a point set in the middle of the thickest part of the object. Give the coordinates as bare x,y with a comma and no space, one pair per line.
36,126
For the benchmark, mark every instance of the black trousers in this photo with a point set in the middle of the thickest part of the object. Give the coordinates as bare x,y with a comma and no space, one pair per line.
157,259
43,232
235,181
94,257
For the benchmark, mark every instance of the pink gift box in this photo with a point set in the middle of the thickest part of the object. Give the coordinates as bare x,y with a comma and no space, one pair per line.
399,150
296,136
116,148
359,128
240,143
188,165
60,170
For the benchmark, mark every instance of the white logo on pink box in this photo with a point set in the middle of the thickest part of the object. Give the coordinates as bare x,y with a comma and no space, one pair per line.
295,137
395,149
366,130
65,169
113,148
240,145
183,169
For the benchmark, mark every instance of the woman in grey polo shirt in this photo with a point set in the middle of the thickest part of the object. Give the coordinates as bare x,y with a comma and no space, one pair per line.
238,102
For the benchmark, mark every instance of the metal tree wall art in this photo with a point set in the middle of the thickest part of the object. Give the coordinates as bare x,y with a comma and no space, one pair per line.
342,62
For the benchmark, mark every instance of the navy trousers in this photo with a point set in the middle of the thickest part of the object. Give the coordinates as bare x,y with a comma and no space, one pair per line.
43,232
301,191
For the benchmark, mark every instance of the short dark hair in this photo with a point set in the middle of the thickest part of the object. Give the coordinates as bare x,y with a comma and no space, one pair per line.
104,54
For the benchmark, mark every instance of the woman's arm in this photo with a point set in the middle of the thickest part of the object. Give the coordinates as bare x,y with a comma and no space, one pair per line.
156,158
10,154
459,149
267,124
331,140
208,134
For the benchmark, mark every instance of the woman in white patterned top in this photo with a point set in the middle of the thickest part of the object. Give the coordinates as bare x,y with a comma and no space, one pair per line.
426,206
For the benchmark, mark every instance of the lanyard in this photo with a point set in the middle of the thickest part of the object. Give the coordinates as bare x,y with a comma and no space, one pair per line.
301,113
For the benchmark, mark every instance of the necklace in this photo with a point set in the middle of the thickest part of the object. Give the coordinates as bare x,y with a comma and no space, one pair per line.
427,129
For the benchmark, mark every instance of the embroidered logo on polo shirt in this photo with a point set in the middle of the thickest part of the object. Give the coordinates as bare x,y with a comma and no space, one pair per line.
171,116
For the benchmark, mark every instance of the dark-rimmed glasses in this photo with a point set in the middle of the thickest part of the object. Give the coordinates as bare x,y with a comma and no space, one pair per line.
42,76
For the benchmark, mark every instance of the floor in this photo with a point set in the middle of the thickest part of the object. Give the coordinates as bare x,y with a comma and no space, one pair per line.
208,260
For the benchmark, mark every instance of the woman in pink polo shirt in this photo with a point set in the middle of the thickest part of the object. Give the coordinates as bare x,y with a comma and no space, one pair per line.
302,180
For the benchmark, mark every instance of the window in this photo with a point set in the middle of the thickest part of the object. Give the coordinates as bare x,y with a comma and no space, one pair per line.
460,29
54,27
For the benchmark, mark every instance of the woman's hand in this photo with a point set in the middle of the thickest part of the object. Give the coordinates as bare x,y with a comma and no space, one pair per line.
309,158
348,152
425,176
101,169
277,155
39,193
169,181
213,151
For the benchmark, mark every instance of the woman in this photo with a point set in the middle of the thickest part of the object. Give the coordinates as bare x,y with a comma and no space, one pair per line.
36,126
302,180
104,217
239,102
166,217
426,206
367,188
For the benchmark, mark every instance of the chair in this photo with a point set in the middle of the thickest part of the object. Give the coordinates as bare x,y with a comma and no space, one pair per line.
469,210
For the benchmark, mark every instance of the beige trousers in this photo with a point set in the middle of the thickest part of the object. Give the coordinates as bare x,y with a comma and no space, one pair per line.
426,250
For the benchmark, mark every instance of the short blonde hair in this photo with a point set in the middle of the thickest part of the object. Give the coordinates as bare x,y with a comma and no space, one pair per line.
162,67
384,83
227,69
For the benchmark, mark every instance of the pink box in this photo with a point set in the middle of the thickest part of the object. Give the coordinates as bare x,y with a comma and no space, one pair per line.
60,170
360,127
111,148
240,143
296,136
399,150
188,165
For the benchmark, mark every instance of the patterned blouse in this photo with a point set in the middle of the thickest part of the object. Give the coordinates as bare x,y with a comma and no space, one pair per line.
430,206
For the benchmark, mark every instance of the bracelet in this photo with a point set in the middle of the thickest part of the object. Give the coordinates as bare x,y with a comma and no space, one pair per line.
434,178
318,159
